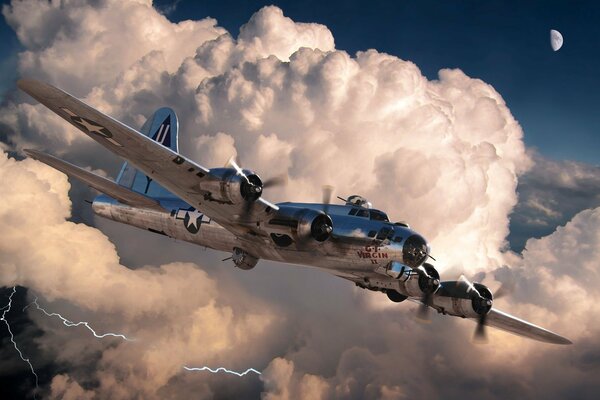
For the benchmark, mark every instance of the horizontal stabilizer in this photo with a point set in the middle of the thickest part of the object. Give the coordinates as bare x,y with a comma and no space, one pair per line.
106,186
506,322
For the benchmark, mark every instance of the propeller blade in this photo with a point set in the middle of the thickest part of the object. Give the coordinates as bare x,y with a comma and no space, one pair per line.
468,286
280,180
423,313
504,290
480,335
237,168
247,212
327,191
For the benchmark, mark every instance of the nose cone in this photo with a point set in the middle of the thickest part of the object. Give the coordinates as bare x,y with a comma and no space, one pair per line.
415,251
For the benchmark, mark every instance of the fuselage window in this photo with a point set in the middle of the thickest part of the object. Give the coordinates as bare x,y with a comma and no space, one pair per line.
383,233
372,233
353,211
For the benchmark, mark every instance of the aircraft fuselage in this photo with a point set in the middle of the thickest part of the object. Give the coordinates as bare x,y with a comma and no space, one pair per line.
346,256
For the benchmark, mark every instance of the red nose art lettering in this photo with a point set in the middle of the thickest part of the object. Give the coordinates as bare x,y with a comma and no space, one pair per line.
371,252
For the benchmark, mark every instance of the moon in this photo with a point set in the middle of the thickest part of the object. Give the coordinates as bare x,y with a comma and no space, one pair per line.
556,40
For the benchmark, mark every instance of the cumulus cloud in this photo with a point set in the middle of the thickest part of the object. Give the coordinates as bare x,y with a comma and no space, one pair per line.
444,155
556,286
64,261
550,194
78,44
65,388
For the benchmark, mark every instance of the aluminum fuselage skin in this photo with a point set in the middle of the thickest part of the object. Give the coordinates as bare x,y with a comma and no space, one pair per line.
340,258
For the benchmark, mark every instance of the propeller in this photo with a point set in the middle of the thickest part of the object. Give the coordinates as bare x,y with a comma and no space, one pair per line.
480,335
323,226
255,187
429,285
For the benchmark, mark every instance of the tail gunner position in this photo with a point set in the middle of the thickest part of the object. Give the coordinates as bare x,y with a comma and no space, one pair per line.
162,191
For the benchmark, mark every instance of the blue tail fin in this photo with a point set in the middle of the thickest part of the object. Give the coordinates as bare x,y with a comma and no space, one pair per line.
162,127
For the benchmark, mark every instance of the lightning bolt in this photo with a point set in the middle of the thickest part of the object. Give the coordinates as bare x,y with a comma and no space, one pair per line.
71,324
221,369
5,310
68,323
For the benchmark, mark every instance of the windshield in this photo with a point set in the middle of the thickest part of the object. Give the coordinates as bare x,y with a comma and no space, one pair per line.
377,215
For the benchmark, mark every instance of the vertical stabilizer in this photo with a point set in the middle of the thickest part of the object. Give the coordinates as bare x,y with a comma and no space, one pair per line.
162,127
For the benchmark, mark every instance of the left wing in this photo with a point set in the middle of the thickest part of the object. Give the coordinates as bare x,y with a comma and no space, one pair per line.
113,189
506,322
494,318
188,180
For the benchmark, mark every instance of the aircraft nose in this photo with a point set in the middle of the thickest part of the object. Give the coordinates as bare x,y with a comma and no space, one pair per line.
415,251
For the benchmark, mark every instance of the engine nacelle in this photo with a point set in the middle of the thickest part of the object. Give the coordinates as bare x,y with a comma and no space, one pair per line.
412,282
230,187
303,224
456,298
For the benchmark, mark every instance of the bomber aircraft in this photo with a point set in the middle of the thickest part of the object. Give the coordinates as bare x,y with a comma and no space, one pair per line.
161,191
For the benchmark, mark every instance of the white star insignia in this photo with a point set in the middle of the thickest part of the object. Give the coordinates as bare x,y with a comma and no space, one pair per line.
92,127
194,217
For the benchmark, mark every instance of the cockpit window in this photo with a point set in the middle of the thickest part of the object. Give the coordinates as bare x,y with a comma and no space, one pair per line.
363,213
353,211
379,216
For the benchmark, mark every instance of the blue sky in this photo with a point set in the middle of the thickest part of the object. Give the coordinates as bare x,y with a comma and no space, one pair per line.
554,95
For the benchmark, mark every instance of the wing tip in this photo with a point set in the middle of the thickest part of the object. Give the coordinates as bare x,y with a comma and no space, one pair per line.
37,89
26,84
35,154
509,323
561,340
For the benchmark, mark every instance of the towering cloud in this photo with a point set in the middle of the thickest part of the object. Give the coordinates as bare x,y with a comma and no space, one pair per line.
442,154
63,261
445,155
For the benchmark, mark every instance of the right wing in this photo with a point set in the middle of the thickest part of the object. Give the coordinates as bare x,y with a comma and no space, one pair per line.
183,177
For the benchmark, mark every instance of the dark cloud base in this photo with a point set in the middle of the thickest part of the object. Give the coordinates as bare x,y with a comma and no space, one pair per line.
16,379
